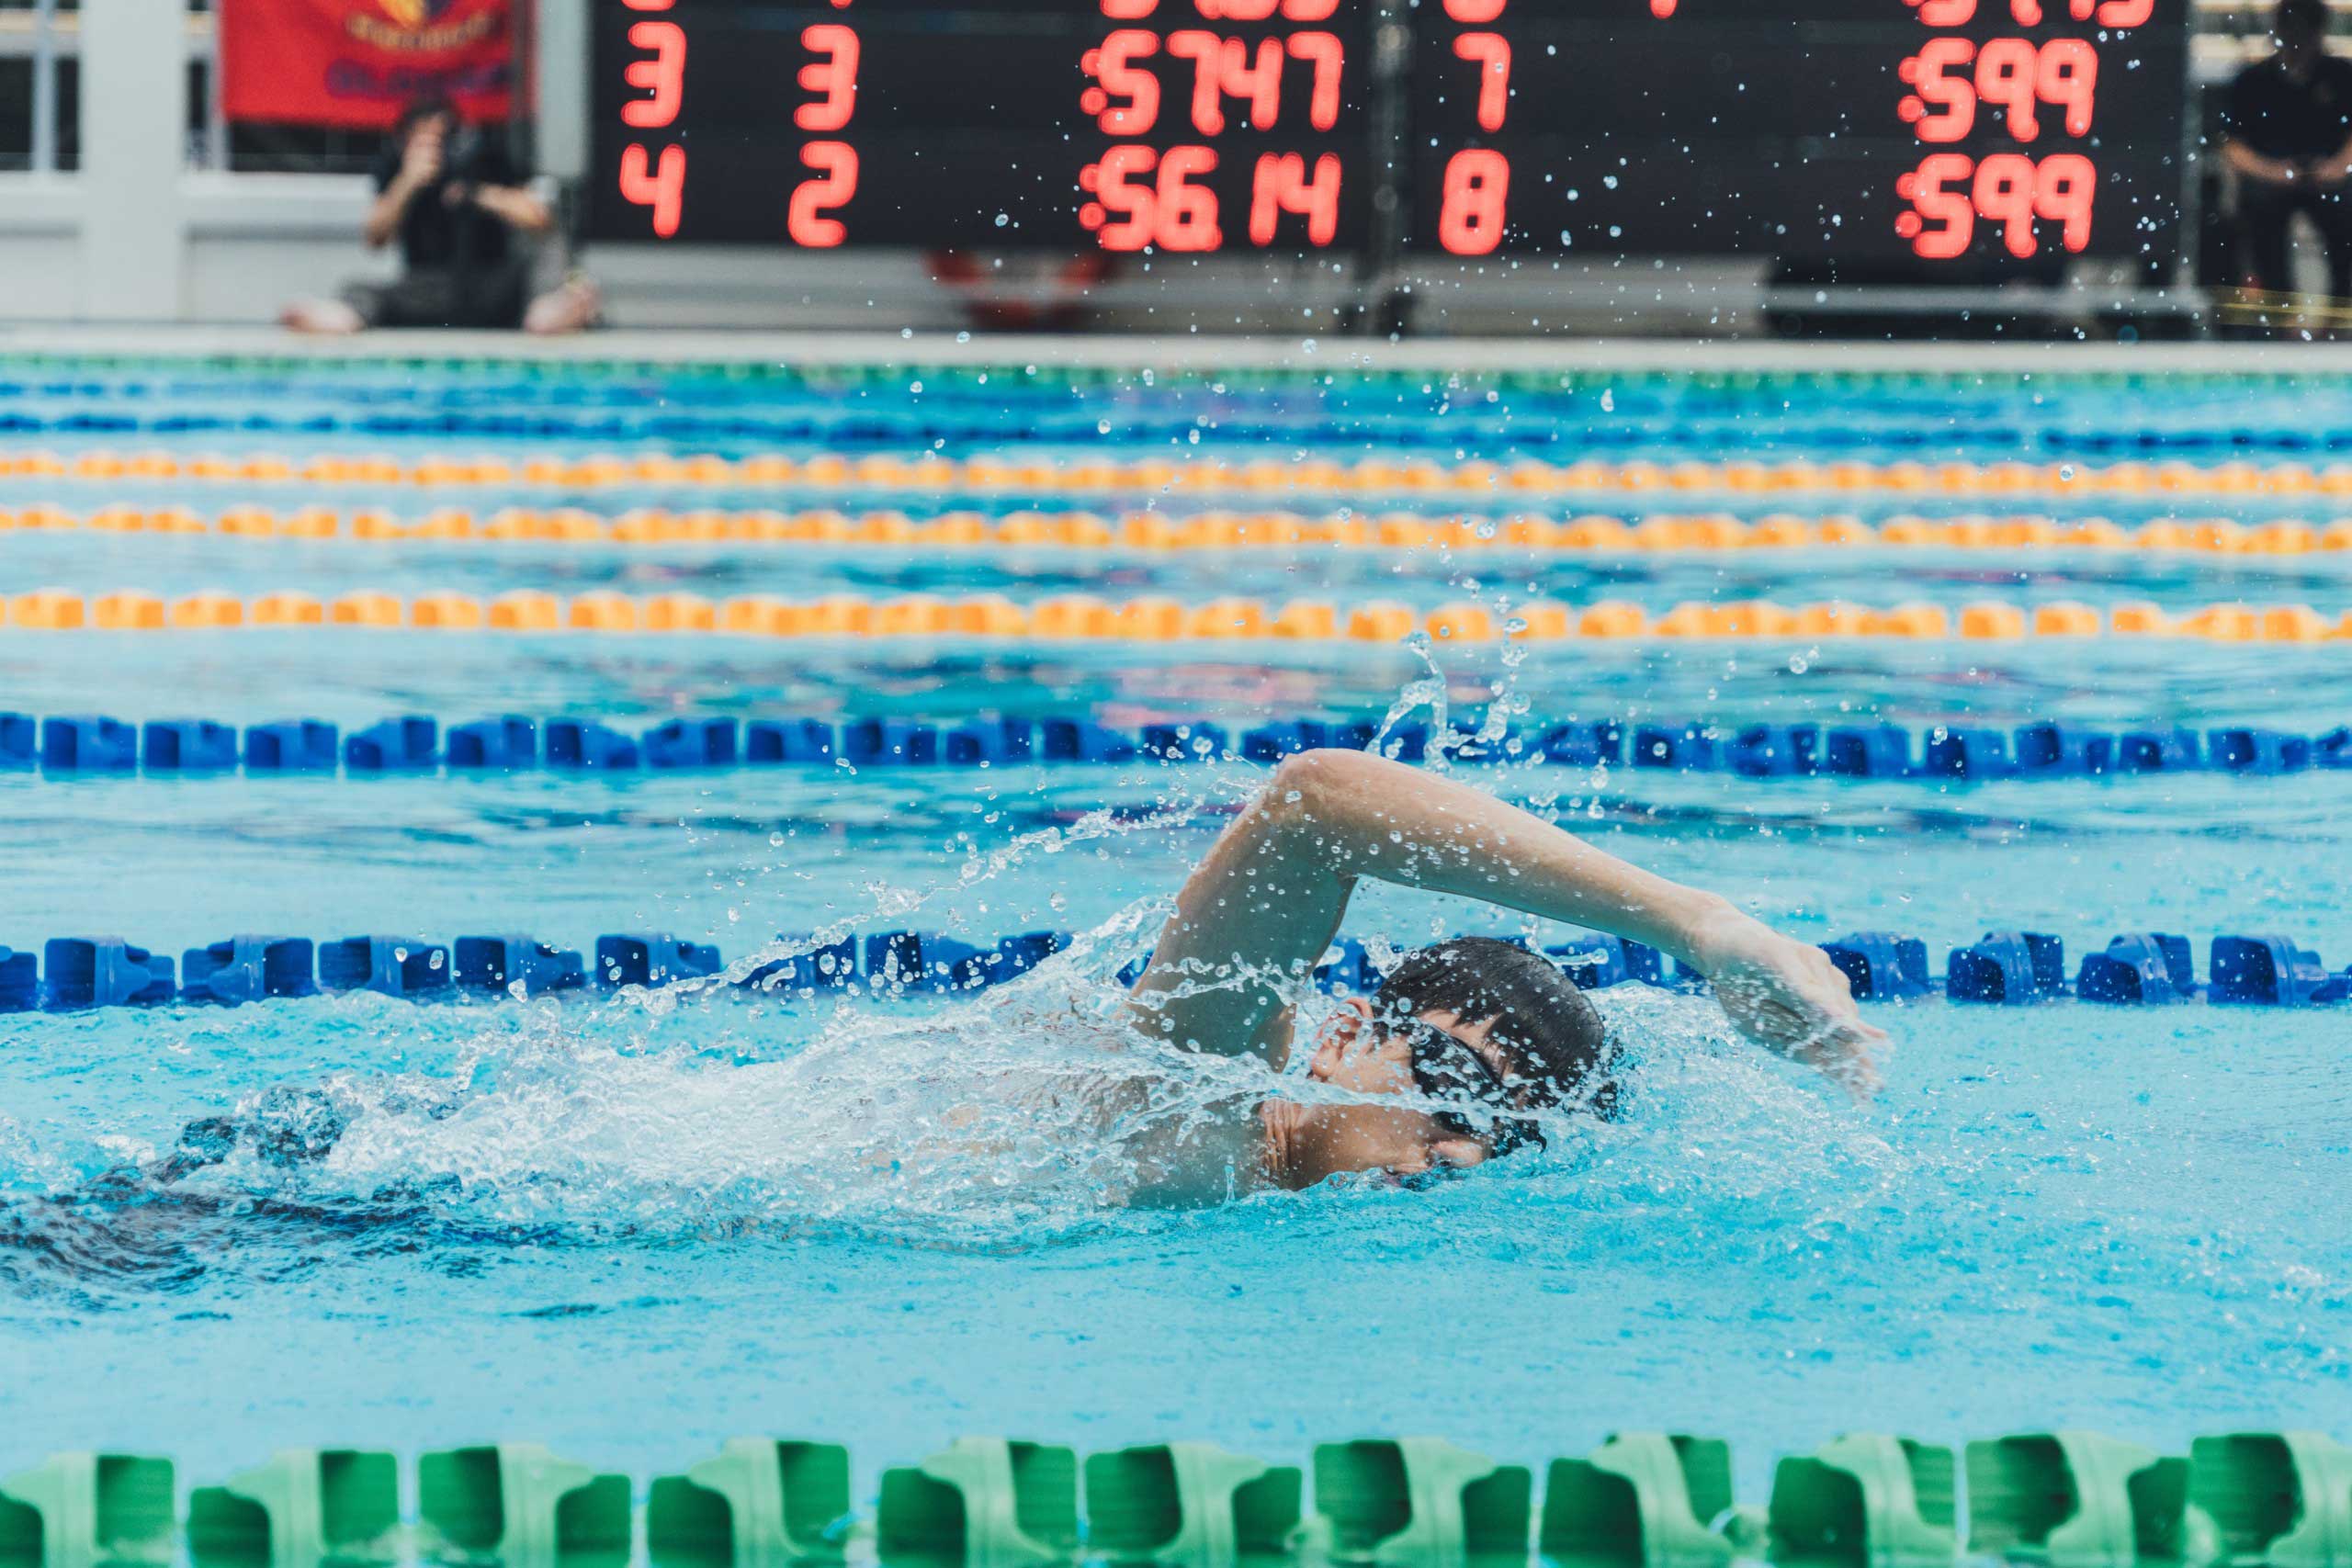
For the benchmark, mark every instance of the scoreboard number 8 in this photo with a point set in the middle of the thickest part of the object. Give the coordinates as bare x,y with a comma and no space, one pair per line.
1478,193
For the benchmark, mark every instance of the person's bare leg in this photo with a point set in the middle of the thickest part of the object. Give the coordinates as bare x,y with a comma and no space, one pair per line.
330,318
568,308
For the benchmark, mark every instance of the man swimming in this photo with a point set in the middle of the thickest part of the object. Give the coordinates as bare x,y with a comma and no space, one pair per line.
1477,1024
1463,1055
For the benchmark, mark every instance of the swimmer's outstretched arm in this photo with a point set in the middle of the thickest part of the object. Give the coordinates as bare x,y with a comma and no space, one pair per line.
1260,911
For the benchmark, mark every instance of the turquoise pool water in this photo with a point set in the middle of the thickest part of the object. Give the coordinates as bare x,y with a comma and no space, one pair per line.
631,1226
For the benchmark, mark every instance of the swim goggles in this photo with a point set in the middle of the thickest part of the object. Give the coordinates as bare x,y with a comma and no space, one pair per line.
1444,1068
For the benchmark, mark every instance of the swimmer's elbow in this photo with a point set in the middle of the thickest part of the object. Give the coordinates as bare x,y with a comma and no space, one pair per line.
1309,785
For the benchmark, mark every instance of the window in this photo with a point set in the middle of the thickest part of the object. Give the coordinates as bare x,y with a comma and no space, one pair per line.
39,126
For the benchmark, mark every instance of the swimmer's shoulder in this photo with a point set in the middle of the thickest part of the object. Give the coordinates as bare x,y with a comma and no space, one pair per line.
1205,1161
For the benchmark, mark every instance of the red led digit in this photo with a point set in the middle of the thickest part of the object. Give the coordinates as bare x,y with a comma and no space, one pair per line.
1130,10
663,77
1491,53
664,191
1946,13
1205,50
1187,212
2067,74
2062,190
1127,209
2025,13
1933,202
1281,185
2004,193
1329,58
1309,10
836,183
1944,108
1470,215
1475,13
647,5
1236,10
1113,64
834,76
2114,13
1222,68
2006,73
1261,83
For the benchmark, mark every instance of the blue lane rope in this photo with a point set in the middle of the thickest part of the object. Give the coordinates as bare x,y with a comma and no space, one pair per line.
915,428
913,405
67,746
2009,967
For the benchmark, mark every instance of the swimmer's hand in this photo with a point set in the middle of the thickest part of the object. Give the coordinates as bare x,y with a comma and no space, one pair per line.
1787,997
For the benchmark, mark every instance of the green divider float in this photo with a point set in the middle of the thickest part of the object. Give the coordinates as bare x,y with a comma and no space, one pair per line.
1422,1503
2280,1498
1643,1500
76,1510
1866,1501
519,1505
2080,1500
305,1507
985,1503
1190,1505
761,1504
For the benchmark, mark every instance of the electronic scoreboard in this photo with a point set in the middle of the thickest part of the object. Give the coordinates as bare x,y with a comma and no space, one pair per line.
1965,133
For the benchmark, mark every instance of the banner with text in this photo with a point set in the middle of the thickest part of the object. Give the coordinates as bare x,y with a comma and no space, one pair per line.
354,63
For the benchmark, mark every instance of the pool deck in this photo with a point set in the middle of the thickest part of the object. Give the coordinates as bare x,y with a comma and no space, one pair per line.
1190,353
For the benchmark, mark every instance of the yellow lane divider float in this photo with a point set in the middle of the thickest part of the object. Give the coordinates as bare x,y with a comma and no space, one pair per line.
1086,617
1006,472
1661,533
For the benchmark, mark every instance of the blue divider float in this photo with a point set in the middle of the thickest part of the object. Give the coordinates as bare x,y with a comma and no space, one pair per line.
2011,968
95,744
861,408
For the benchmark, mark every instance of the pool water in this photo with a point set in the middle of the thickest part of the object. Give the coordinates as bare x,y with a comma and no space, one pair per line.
632,1226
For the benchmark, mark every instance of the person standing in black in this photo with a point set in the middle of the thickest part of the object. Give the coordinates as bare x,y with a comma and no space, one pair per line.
2288,127
455,202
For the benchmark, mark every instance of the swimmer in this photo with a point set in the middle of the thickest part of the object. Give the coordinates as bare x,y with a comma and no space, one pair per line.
1477,1021
1497,1033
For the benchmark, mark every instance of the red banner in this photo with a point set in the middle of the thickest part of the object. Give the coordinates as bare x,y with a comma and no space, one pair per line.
356,63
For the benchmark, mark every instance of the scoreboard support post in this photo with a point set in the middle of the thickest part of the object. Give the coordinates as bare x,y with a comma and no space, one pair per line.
561,64
1392,312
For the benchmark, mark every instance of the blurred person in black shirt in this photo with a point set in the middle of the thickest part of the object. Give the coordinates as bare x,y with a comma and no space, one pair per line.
2288,124
456,202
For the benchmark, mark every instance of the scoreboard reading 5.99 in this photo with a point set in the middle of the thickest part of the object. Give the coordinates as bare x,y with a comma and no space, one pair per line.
1931,134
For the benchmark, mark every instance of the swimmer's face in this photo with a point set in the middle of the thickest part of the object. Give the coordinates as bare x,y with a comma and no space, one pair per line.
1323,1141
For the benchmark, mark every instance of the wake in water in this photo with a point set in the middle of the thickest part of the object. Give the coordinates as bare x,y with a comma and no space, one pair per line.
1005,1121
1027,1114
